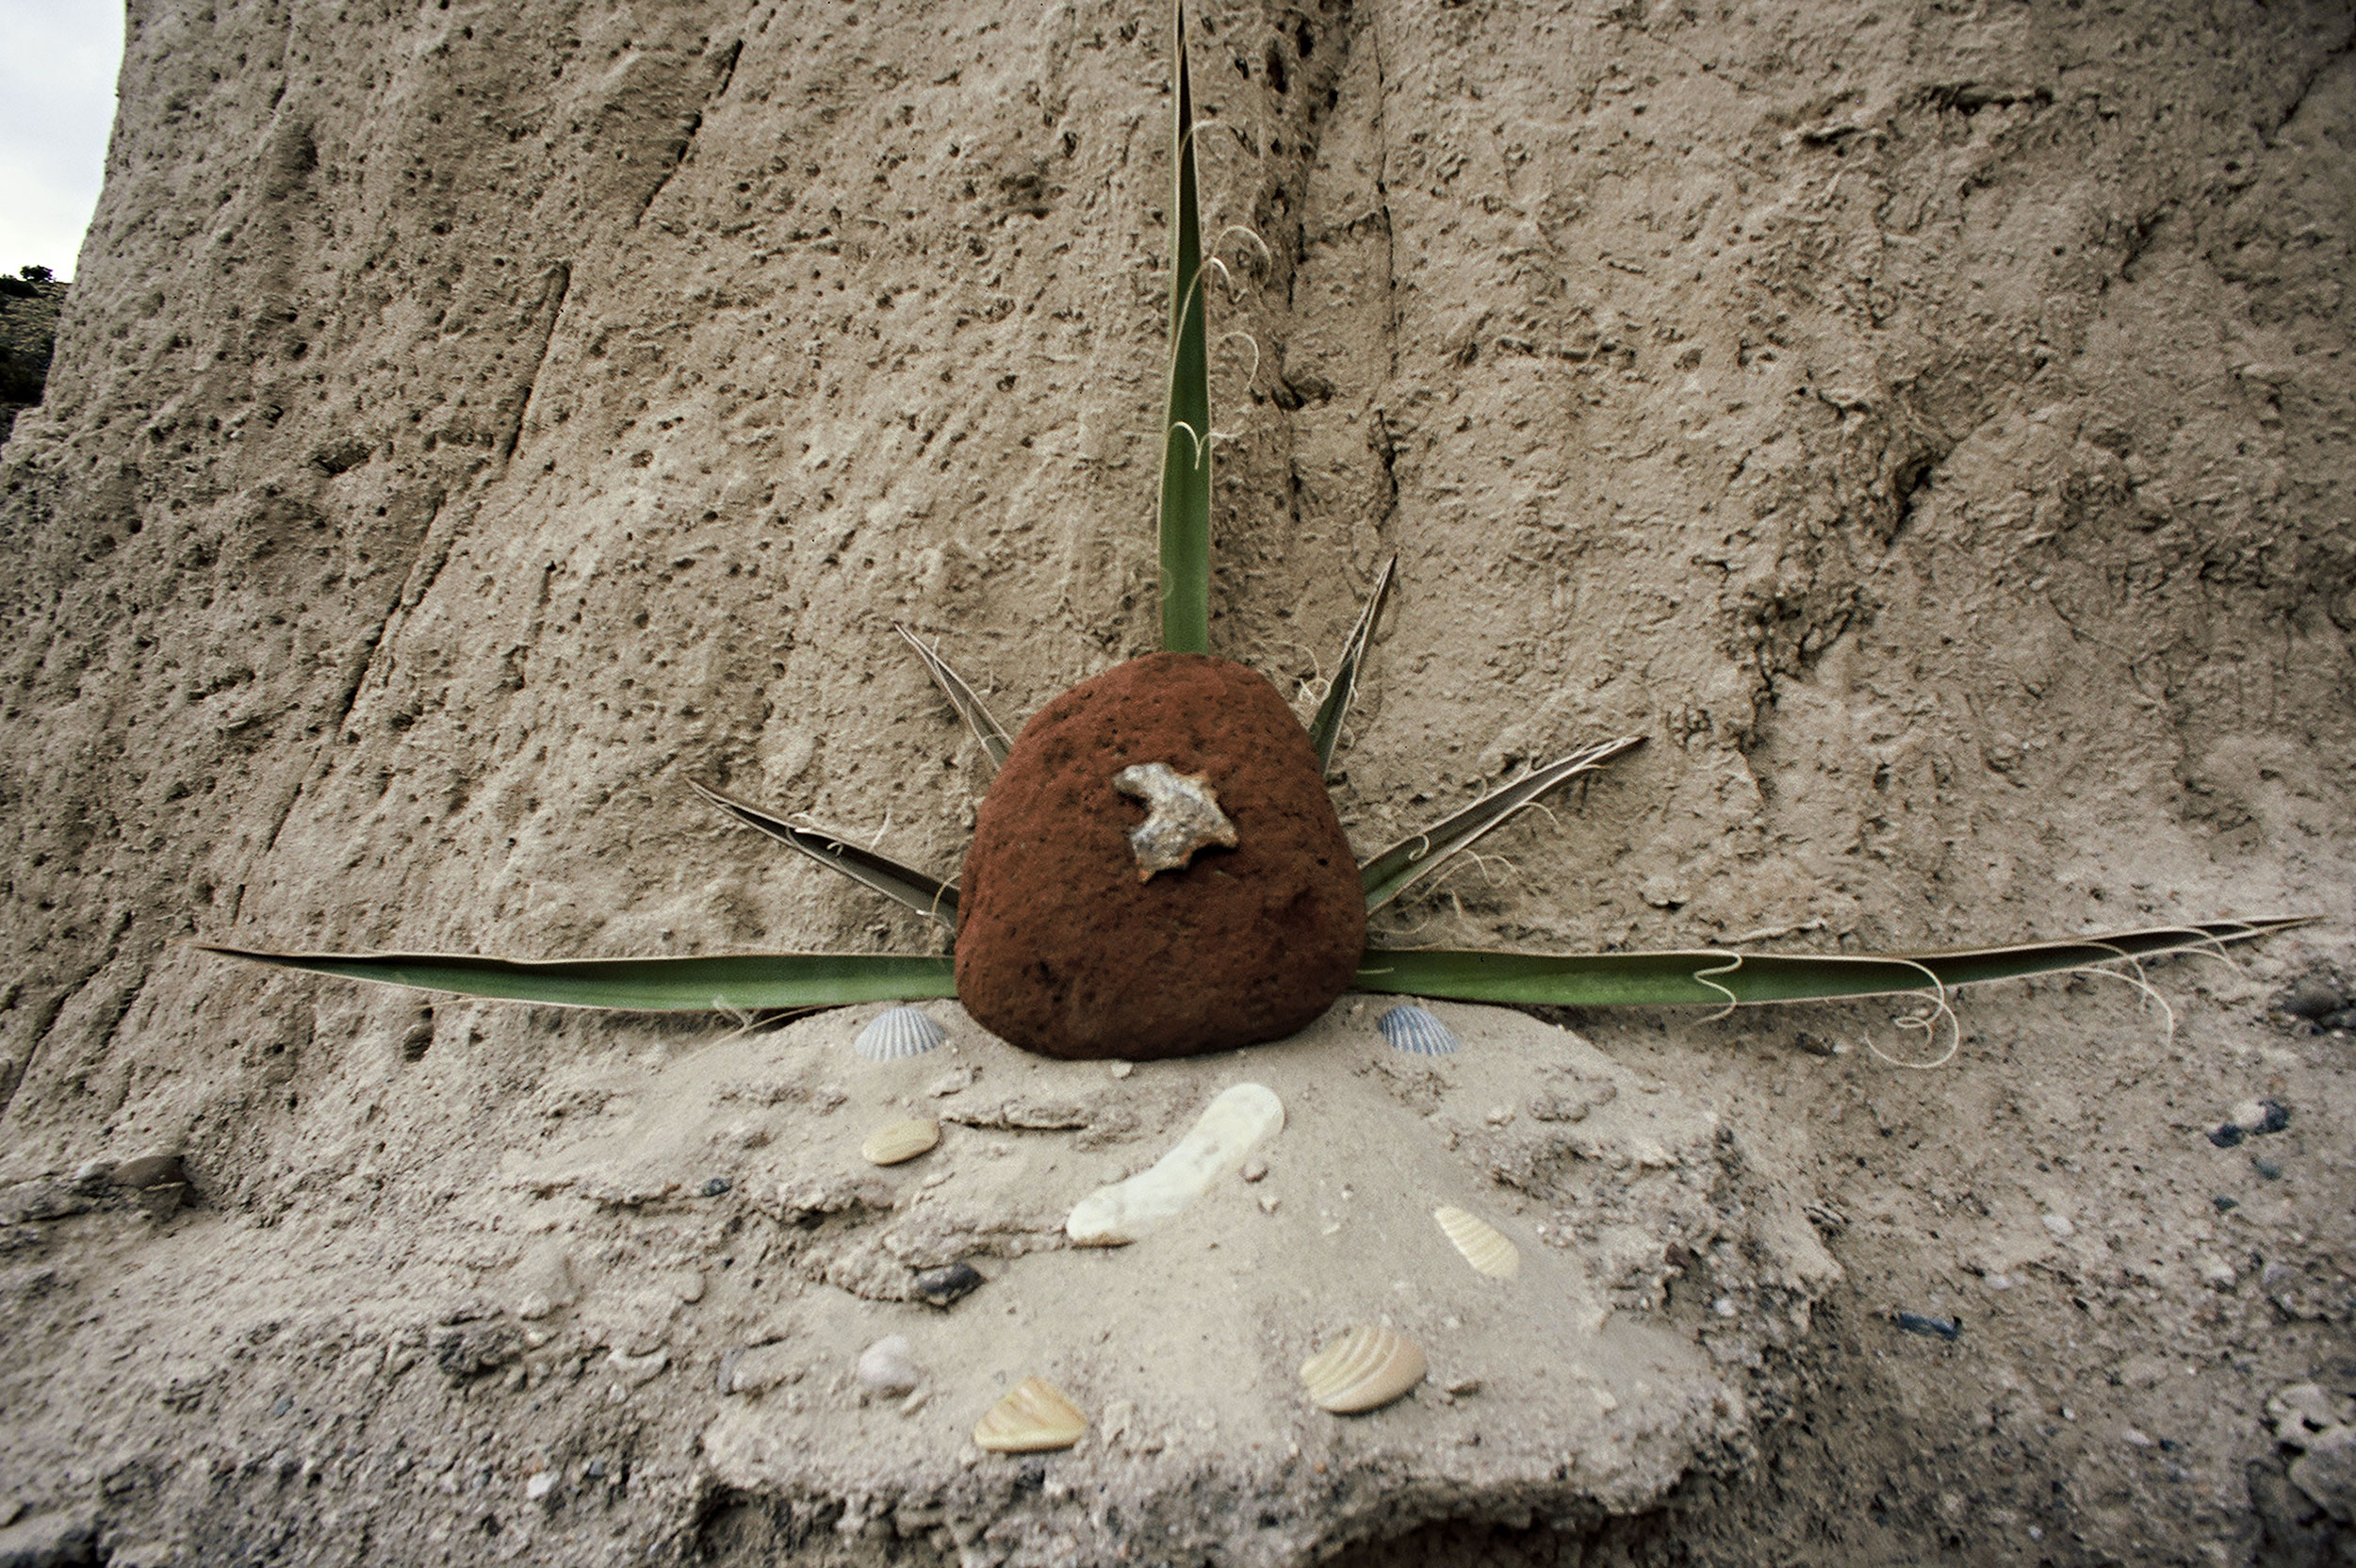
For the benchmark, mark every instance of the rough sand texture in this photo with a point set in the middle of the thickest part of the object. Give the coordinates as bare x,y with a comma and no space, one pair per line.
1930,425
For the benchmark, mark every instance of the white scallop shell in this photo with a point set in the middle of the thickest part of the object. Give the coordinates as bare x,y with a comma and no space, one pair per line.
898,1141
1478,1240
1410,1029
1365,1368
900,1032
1034,1418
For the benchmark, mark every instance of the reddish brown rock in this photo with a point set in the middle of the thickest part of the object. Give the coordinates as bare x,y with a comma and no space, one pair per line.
1063,949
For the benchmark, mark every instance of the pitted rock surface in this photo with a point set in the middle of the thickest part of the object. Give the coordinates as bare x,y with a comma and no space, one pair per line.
1063,951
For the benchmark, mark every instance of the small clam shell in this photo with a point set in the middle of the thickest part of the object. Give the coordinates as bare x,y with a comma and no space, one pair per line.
1033,1418
1478,1240
901,1032
1365,1368
1410,1029
900,1140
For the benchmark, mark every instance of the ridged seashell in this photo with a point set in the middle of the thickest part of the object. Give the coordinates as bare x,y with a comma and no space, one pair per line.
1410,1029
1034,1418
1365,1368
901,1032
900,1140
1240,1116
1478,1240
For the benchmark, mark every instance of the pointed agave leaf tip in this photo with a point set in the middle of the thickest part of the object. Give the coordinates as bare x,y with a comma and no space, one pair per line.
935,900
962,698
734,983
1186,490
1326,729
1712,977
1418,854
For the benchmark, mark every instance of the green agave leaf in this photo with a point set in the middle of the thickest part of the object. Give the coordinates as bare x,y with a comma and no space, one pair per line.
1715,978
928,896
1185,506
1326,727
736,983
962,698
1391,873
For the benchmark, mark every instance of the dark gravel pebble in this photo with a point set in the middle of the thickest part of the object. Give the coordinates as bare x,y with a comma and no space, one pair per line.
941,1286
2266,1168
1935,1327
2224,1203
2225,1135
717,1186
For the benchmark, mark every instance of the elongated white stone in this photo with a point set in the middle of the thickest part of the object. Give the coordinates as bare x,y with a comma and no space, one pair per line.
1229,1126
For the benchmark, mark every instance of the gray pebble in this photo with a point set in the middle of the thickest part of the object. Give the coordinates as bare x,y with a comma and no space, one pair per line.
2316,996
2266,1168
717,1186
887,1367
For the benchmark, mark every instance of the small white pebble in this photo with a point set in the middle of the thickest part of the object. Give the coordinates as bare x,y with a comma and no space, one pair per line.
540,1485
1254,1169
2059,1224
1725,1306
2136,1438
1122,1069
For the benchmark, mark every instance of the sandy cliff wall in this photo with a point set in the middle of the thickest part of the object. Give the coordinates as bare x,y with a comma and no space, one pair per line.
1929,424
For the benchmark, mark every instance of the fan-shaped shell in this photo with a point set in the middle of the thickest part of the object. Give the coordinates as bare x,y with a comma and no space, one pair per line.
1365,1368
1478,1240
1033,1418
900,1140
898,1033
1412,1029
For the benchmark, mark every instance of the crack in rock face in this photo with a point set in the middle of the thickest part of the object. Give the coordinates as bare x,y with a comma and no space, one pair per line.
1181,815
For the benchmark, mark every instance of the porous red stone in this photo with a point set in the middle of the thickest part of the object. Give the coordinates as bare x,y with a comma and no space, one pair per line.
1063,951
